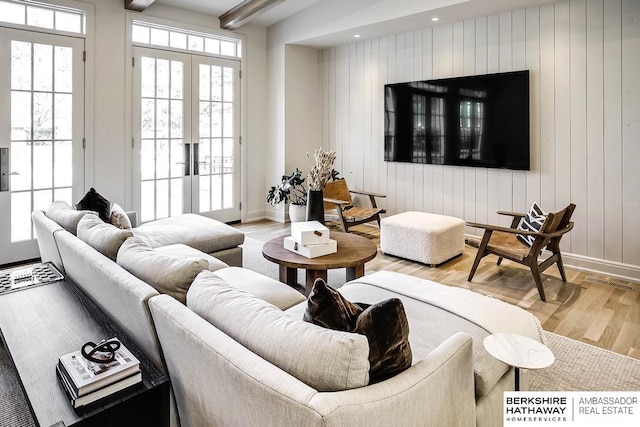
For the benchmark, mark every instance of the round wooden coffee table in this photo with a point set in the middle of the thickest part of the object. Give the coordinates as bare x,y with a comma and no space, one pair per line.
353,252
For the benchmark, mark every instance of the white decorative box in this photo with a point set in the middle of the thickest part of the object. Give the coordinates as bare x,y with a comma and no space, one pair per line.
311,251
309,233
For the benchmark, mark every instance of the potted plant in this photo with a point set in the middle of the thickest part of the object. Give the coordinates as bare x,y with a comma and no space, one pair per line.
291,190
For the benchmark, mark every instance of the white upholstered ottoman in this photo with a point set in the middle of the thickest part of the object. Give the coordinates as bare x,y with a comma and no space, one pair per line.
424,237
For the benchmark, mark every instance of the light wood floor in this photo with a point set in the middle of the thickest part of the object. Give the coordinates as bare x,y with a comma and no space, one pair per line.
595,309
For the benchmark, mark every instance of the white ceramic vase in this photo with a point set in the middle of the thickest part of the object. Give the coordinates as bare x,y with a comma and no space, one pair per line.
297,213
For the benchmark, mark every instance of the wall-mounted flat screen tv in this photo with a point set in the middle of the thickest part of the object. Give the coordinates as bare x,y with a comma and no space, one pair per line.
480,121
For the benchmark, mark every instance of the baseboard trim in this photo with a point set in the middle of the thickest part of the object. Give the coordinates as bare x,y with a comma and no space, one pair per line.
601,266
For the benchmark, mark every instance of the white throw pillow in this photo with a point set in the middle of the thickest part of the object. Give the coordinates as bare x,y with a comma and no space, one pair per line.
103,237
66,216
167,274
119,217
324,359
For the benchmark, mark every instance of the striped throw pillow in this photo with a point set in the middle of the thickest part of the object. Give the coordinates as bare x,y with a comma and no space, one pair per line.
533,221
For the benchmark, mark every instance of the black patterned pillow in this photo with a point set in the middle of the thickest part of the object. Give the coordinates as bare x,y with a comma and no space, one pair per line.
94,201
533,221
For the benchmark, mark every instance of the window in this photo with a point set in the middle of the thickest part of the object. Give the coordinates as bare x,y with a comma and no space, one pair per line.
41,15
145,33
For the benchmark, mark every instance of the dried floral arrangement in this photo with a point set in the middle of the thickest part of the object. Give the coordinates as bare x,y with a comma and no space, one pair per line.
322,170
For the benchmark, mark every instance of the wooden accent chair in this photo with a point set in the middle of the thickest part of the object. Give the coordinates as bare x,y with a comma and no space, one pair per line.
502,241
337,198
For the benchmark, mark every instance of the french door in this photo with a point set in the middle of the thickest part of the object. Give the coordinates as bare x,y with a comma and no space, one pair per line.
186,129
41,132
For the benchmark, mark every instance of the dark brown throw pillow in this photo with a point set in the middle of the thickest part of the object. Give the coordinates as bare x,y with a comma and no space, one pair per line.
326,307
387,330
384,324
94,201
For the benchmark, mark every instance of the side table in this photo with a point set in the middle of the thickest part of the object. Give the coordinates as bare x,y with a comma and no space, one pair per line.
39,324
519,351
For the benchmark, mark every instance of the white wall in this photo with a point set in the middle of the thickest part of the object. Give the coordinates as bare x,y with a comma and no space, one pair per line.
109,142
583,58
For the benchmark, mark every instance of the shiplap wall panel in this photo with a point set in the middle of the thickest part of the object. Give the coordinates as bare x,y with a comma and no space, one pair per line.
532,48
470,174
631,131
482,175
583,57
519,62
613,130
595,130
562,142
578,122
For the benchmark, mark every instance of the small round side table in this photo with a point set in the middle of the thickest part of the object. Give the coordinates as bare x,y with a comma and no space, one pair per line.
519,351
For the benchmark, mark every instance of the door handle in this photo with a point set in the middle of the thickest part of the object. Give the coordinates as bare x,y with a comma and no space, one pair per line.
10,173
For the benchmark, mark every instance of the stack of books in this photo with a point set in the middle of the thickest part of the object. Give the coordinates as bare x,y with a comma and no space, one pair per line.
310,239
85,381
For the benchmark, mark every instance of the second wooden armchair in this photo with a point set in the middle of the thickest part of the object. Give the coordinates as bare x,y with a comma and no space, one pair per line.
337,197
503,242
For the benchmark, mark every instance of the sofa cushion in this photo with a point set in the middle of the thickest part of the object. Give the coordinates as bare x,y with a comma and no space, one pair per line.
94,201
166,273
197,231
119,217
324,359
384,324
183,251
66,216
260,286
326,307
386,327
103,237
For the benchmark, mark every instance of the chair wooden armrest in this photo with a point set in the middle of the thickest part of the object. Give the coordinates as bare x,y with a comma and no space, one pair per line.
336,201
505,229
367,193
517,214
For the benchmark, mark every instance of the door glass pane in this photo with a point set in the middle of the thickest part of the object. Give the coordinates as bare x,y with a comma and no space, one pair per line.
205,194
63,73
227,119
176,119
216,83
63,116
176,196
62,159
178,40
205,157
177,70
216,192
42,199
162,158
162,198
162,118
43,160
205,82
20,161
42,116
20,216
42,67
20,115
162,78
227,190
20,65
159,37
177,158
148,201
148,76
227,84
148,116
205,119
147,157
216,119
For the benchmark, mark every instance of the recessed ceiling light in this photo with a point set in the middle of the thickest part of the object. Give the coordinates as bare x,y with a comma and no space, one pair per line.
356,36
435,18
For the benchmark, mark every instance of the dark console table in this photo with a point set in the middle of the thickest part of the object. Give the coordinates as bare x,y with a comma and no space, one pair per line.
41,323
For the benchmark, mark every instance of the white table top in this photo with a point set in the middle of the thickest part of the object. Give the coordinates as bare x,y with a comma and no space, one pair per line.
519,351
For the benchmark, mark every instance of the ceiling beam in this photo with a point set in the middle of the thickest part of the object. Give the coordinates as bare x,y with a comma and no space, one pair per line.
137,5
241,14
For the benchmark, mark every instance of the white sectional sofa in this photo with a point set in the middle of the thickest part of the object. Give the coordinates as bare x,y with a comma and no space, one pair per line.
240,360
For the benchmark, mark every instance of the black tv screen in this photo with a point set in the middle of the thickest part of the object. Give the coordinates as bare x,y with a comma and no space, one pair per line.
480,121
